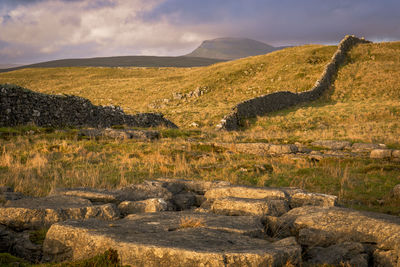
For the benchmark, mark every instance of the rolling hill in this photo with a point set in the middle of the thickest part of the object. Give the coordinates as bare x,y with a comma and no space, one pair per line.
364,104
208,53
123,61
231,48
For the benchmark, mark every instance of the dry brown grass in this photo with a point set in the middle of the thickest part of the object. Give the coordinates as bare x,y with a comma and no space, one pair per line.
134,89
188,222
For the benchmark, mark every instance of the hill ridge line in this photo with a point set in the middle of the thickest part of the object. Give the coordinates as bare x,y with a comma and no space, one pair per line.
264,104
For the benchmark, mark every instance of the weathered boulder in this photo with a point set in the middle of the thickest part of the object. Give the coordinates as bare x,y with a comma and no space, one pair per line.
326,226
299,197
261,148
350,253
19,244
121,133
142,206
200,187
158,239
332,144
366,147
283,149
245,192
381,154
244,206
146,190
94,195
36,213
185,200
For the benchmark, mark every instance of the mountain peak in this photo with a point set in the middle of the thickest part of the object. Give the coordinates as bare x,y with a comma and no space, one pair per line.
229,48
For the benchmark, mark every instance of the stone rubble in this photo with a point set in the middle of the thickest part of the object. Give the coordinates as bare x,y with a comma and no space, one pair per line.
316,151
20,106
169,222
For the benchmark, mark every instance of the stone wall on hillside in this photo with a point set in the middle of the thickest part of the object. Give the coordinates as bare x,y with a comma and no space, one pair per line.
19,106
264,104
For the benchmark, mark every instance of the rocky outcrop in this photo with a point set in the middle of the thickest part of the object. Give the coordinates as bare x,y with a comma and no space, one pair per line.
120,134
170,222
262,105
37,213
158,240
19,106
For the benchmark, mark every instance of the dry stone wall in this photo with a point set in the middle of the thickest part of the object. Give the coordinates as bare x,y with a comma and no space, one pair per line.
19,106
280,100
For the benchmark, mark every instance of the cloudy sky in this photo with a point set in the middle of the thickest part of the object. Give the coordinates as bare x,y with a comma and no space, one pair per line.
39,30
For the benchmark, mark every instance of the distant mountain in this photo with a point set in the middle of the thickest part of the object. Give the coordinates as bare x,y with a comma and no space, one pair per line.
208,53
231,48
7,66
123,61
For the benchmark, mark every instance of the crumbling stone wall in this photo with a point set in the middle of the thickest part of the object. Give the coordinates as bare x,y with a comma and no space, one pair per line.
264,104
19,106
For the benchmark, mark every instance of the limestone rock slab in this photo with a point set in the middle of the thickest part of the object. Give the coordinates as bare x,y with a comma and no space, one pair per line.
325,226
245,192
36,213
299,197
351,253
365,147
146,190
94,195
381,154
145,241
283,149
243,206
196,186
332,144
142,206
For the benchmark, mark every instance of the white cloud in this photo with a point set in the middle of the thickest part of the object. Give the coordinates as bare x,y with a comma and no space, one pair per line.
48,27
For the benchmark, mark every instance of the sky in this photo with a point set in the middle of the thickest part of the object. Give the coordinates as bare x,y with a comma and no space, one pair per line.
40,30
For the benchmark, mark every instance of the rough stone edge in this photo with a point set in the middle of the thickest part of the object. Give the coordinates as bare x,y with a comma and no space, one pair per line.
117,116
261,105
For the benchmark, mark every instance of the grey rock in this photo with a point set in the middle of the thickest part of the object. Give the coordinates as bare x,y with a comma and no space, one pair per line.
299,197
245,192
243,206
326,226
149,240
365,147
121,133
25,249
36,213
19,244
200,187
184,201
94,195
63,110
146,190
350,253
332,144
381,154
142,206
282,149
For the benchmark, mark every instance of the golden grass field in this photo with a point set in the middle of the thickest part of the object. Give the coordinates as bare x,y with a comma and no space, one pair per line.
363,105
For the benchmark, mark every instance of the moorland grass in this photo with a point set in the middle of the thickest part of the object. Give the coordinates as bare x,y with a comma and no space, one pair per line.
37,163
363,106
